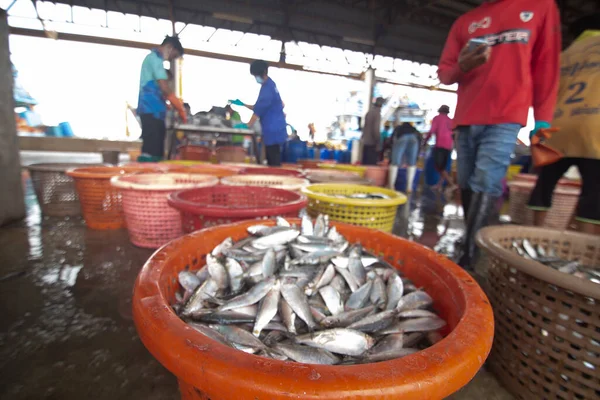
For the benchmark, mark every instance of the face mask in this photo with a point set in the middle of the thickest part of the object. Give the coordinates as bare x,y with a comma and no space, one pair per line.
259,80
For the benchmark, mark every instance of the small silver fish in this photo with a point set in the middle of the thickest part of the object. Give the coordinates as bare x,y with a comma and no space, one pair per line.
357,269
296,299
288,316
416,314
235,274
307,226
341,341
391,342
209,332
388,355
411,301
415,325
349,278
208,289
395,290
269,263
267,309
188,280
276,239
252,296
359,298
375,322
222,247
320,228
332,299
217,272
378,292
280,221
239,336
346,318
307,355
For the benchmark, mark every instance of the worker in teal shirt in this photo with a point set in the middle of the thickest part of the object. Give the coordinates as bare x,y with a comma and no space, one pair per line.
269,109
154,91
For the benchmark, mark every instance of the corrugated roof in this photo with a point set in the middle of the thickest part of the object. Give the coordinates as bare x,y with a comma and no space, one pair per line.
409,29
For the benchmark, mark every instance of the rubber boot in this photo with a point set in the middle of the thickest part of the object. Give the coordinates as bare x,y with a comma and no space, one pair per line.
392,175
410,177
465,198
481,207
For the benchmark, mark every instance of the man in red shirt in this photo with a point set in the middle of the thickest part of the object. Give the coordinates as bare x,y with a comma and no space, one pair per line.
504,55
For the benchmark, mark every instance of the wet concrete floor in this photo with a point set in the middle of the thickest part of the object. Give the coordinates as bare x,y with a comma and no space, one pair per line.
65,301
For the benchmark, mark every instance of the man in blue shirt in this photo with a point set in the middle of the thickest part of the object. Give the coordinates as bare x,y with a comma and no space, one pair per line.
269,109
154,90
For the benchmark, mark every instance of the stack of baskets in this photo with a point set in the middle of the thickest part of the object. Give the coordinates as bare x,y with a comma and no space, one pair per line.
559,216
547,331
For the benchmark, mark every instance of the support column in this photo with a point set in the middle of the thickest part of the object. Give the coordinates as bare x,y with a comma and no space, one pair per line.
367,102
12,206
369,88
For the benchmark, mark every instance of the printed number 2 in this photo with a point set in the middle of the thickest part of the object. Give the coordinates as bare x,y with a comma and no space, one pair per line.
578,87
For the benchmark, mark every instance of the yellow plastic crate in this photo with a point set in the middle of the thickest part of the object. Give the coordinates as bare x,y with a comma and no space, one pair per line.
376,214
357,169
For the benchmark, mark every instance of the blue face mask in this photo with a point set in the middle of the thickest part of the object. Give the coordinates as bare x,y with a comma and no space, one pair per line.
259,80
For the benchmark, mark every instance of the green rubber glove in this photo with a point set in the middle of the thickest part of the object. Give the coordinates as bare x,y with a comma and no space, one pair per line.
539,125
237,102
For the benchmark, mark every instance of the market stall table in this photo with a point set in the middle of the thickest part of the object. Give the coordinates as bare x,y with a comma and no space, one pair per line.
207,133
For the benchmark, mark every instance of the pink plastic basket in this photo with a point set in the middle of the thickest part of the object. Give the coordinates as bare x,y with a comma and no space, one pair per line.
151,222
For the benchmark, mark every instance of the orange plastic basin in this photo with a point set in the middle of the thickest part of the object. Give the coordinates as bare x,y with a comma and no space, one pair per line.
209,370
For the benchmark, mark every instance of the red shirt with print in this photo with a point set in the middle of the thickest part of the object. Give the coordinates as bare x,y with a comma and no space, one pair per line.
523,70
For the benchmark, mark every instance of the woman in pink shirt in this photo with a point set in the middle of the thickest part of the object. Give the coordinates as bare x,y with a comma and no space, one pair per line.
441,127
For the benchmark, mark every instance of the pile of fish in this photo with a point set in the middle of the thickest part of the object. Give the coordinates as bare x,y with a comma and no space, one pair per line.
305,294
547,256
364,196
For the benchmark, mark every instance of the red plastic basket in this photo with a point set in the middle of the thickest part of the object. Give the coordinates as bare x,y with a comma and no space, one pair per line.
217,205
194,152
231,154
272,171
150,221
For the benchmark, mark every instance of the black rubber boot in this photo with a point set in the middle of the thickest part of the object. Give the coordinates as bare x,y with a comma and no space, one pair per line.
481,207
465,199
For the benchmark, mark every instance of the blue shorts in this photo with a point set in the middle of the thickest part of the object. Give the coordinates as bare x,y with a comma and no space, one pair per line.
483,156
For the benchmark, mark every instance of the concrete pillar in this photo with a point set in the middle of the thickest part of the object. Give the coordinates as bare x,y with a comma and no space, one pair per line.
12,206
369,88
367,102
